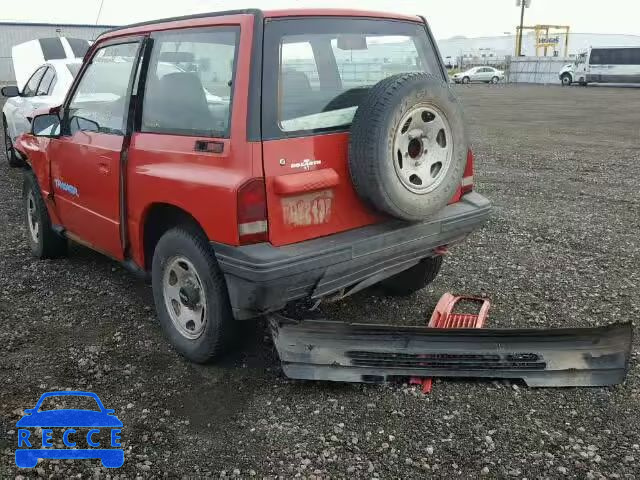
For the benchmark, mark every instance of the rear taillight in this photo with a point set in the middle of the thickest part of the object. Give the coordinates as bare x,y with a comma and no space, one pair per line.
467,177
252,212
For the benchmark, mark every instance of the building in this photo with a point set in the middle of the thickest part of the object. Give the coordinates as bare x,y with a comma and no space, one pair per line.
14,33
486,49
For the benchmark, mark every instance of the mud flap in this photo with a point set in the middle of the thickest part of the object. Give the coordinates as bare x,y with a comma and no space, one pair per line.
566,357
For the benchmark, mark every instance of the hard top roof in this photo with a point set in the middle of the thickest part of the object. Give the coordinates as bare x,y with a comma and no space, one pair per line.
200,18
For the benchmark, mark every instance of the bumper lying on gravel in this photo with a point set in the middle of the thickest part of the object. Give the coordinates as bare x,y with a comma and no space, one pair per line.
262,278
568,357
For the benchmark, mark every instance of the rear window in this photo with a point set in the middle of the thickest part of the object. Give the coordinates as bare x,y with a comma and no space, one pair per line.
323,68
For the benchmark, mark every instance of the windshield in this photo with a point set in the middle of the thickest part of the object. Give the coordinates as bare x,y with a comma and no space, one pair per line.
324,68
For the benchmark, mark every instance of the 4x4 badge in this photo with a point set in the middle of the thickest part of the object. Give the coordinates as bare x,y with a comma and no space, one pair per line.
306,164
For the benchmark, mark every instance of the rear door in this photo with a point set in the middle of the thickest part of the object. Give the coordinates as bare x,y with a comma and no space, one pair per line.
316,72
85,160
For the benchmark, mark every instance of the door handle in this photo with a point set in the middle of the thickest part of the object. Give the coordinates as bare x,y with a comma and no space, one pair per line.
103,167
209,146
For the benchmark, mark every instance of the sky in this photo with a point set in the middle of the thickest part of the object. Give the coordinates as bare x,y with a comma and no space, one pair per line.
471,18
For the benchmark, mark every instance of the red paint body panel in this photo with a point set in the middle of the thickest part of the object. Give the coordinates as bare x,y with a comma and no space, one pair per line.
173,24
346,208
297,183
89,162
338,12
164,169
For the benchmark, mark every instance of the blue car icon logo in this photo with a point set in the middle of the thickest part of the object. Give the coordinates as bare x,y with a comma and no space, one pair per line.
98,429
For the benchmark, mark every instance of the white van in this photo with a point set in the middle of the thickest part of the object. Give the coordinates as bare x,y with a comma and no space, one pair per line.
603,65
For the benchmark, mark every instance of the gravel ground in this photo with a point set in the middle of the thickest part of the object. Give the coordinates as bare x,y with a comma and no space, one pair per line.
562,248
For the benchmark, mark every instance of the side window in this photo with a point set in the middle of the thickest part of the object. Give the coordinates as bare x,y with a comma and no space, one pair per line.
189,82
596,57
47,82
32,85
297,59
625,56
635,56
100,101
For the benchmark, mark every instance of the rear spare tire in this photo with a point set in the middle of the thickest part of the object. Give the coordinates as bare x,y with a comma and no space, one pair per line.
408,147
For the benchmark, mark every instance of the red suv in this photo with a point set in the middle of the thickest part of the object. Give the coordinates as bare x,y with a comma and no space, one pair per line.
245,159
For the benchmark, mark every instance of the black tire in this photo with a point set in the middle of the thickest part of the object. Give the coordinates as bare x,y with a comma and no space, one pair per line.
414,279
219,324
495,80
372,160
43,240
466,80
565,80
9,150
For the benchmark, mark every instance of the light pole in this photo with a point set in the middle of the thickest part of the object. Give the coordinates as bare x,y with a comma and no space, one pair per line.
522,4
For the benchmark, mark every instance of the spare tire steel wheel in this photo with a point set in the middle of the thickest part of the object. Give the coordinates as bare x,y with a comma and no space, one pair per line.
408,147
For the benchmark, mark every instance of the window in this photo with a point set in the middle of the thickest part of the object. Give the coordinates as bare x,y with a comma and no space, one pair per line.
323,69
48,79
78,46
32,85
189,83
100,100
74,69
600,56
298,59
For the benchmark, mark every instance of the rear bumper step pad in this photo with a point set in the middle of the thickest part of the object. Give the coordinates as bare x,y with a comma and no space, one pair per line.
336,351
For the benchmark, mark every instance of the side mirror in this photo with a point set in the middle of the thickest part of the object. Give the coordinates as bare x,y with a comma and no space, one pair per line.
47,125
81,124
10,91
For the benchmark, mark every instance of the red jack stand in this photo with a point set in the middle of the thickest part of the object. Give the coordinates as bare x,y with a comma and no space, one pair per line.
443,317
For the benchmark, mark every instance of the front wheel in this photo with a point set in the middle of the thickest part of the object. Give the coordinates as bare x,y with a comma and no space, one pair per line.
495,80
566,80
466,80
414,279
43,240
191,296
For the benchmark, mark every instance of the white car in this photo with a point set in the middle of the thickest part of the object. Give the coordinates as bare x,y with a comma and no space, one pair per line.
44,70
479,74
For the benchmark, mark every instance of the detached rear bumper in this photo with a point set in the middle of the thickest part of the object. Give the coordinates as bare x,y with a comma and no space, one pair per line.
262,278
564,357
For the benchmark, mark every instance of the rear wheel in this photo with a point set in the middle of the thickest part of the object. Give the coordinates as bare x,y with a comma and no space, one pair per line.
413,279
43,240
566,80
9,151
495,80
190,295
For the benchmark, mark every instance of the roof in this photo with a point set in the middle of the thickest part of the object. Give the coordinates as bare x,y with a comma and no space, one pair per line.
200,18
43,24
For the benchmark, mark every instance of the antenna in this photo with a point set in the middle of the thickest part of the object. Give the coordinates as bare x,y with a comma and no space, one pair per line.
100,11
